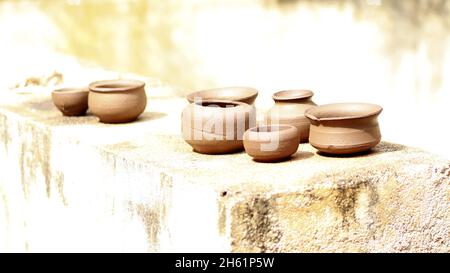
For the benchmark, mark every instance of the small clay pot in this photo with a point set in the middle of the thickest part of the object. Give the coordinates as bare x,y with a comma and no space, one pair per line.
216,126
238,93
117,101
271,143
344,128
289,108
71,101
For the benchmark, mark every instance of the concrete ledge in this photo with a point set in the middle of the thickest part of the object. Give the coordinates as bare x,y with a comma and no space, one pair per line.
72,184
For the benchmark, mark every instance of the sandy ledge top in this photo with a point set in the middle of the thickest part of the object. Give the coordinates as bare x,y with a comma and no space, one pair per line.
155,140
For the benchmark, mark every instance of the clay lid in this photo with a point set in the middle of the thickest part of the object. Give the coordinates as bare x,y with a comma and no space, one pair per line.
340,111
120,85
292,95
236,93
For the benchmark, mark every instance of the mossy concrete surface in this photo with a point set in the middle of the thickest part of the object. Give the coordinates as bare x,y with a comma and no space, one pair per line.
73,184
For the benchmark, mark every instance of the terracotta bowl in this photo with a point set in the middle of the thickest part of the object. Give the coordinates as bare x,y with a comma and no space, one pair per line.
344,128
71,101
117,101
271,143
208,143
238,93
216,126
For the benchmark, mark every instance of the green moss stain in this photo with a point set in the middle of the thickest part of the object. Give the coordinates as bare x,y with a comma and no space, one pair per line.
151,220
256,228
154,212
166,184
222,225
4,200
59,181
345,202
346,198
34,157
4,132
23,180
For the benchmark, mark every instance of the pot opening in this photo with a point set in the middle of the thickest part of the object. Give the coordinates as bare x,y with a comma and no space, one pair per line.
112,86
218,104
225,93
292,94
270,128
116,85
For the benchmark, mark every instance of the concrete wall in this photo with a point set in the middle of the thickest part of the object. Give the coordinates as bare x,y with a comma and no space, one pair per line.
73,184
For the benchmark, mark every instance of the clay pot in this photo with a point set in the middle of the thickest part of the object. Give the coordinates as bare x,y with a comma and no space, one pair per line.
344,128
238,93
289,108
216,126
71,101
117,101
271,143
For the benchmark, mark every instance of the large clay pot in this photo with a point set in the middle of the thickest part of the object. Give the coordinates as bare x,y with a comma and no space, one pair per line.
117,101
216,126
271,143
344,128
238,93
289,108
71,101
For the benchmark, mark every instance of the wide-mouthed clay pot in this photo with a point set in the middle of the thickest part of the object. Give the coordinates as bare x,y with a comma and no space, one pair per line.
117,101
289,108
71,101
271,143
238,93
344,128
216,126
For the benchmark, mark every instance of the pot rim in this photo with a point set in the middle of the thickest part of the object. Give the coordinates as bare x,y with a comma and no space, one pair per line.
122,85
70,90
376,109
279,128
292,94
252,92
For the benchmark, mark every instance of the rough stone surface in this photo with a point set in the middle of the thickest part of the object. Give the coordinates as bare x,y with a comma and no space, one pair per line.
74,184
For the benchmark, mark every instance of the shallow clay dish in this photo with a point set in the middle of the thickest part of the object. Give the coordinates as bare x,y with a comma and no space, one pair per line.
117,101
271,143
289,108
216,126
71,101
344,128
238,93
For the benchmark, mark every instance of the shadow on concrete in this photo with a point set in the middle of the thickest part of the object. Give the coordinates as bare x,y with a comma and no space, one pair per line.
383,147
301,156
148,116
294,157
61,120
45,105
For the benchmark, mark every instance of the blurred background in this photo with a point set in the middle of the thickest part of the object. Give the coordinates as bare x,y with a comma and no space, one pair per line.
390,52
